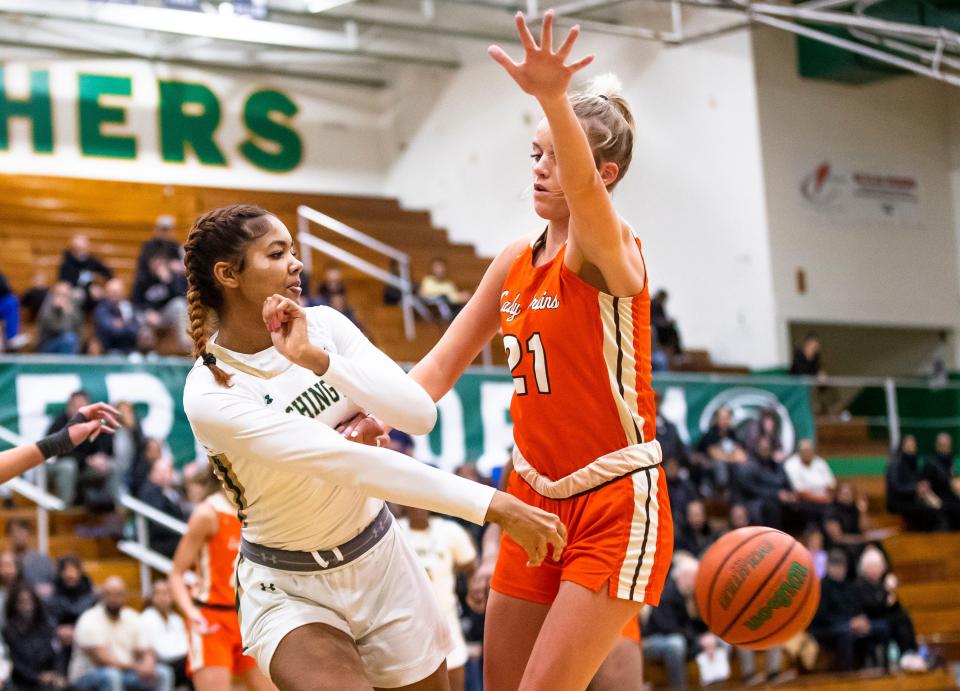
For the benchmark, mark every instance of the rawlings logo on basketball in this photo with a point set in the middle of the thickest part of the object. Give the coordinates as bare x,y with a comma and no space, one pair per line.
741,570
782,596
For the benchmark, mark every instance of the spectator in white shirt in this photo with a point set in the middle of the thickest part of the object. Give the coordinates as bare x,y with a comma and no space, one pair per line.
812,480
163,630
107,651
810,475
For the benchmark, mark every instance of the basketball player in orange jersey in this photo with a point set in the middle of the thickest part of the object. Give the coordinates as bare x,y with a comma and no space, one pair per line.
573,304
211,544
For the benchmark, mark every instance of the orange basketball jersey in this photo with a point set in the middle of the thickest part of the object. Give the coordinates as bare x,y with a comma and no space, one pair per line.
216,583
580,361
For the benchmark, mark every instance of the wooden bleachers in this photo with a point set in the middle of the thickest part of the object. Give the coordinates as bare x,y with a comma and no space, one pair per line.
38,215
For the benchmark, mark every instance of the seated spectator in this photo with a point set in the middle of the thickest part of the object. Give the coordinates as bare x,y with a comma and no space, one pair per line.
877,587
163,629
392,295
671,443
766,425
938,471
59,322
28,635
108,651
665,328
908,493
840,623
130,449
36,569
73,594
161,244
32,300
10,316
809,475
9,577
440,292
762,486
670,633
806,358
813,541
88,468
115,321
81,270
331,284
680,490
721,447
160,298
694,534
807,362
845,523
160,493
339,303
739,516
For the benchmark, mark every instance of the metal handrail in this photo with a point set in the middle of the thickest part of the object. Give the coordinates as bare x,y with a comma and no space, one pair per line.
140,550
408,301
37,493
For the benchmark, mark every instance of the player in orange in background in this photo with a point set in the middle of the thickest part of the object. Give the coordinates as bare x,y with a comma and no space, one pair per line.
574,308
210,546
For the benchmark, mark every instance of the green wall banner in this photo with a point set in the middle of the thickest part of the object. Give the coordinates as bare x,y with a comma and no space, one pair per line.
474,423
126,119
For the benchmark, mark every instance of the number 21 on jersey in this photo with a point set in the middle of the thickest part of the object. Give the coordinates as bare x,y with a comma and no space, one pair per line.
515,352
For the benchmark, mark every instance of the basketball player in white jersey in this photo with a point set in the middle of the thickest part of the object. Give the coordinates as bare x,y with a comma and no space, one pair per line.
329,594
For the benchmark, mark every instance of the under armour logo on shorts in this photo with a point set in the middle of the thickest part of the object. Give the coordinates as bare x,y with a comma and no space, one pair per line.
268,399
268,587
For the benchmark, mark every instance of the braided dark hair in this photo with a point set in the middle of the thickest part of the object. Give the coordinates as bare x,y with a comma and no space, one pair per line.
219,235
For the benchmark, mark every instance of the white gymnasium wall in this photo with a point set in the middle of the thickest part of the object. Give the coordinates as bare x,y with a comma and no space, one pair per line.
858,272
694,193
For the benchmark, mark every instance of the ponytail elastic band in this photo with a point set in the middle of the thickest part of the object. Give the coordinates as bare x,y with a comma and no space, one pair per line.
603,97
209,360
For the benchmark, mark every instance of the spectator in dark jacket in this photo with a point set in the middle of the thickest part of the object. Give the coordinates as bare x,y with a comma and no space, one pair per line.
806,358
160,299
671,443
908,493
938,471
840,623
159,493
81,270
877,588
672,631
115,320
28,635
694,534
88,467
32,299
679,488
73,594
720,449
762,486
844,523
161,244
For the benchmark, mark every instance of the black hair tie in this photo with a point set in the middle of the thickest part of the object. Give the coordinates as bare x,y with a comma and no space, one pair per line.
603,97
209,360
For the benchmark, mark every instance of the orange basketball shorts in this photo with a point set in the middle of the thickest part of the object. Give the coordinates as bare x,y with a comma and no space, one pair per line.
221,647
619,537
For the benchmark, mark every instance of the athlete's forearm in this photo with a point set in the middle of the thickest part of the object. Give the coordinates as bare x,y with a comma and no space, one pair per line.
228,422
575,163
381,388
15,461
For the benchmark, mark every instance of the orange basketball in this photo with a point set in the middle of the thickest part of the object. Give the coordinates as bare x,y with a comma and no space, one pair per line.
756,587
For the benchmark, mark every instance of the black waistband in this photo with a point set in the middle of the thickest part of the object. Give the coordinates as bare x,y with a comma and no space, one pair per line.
289,560
213,605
